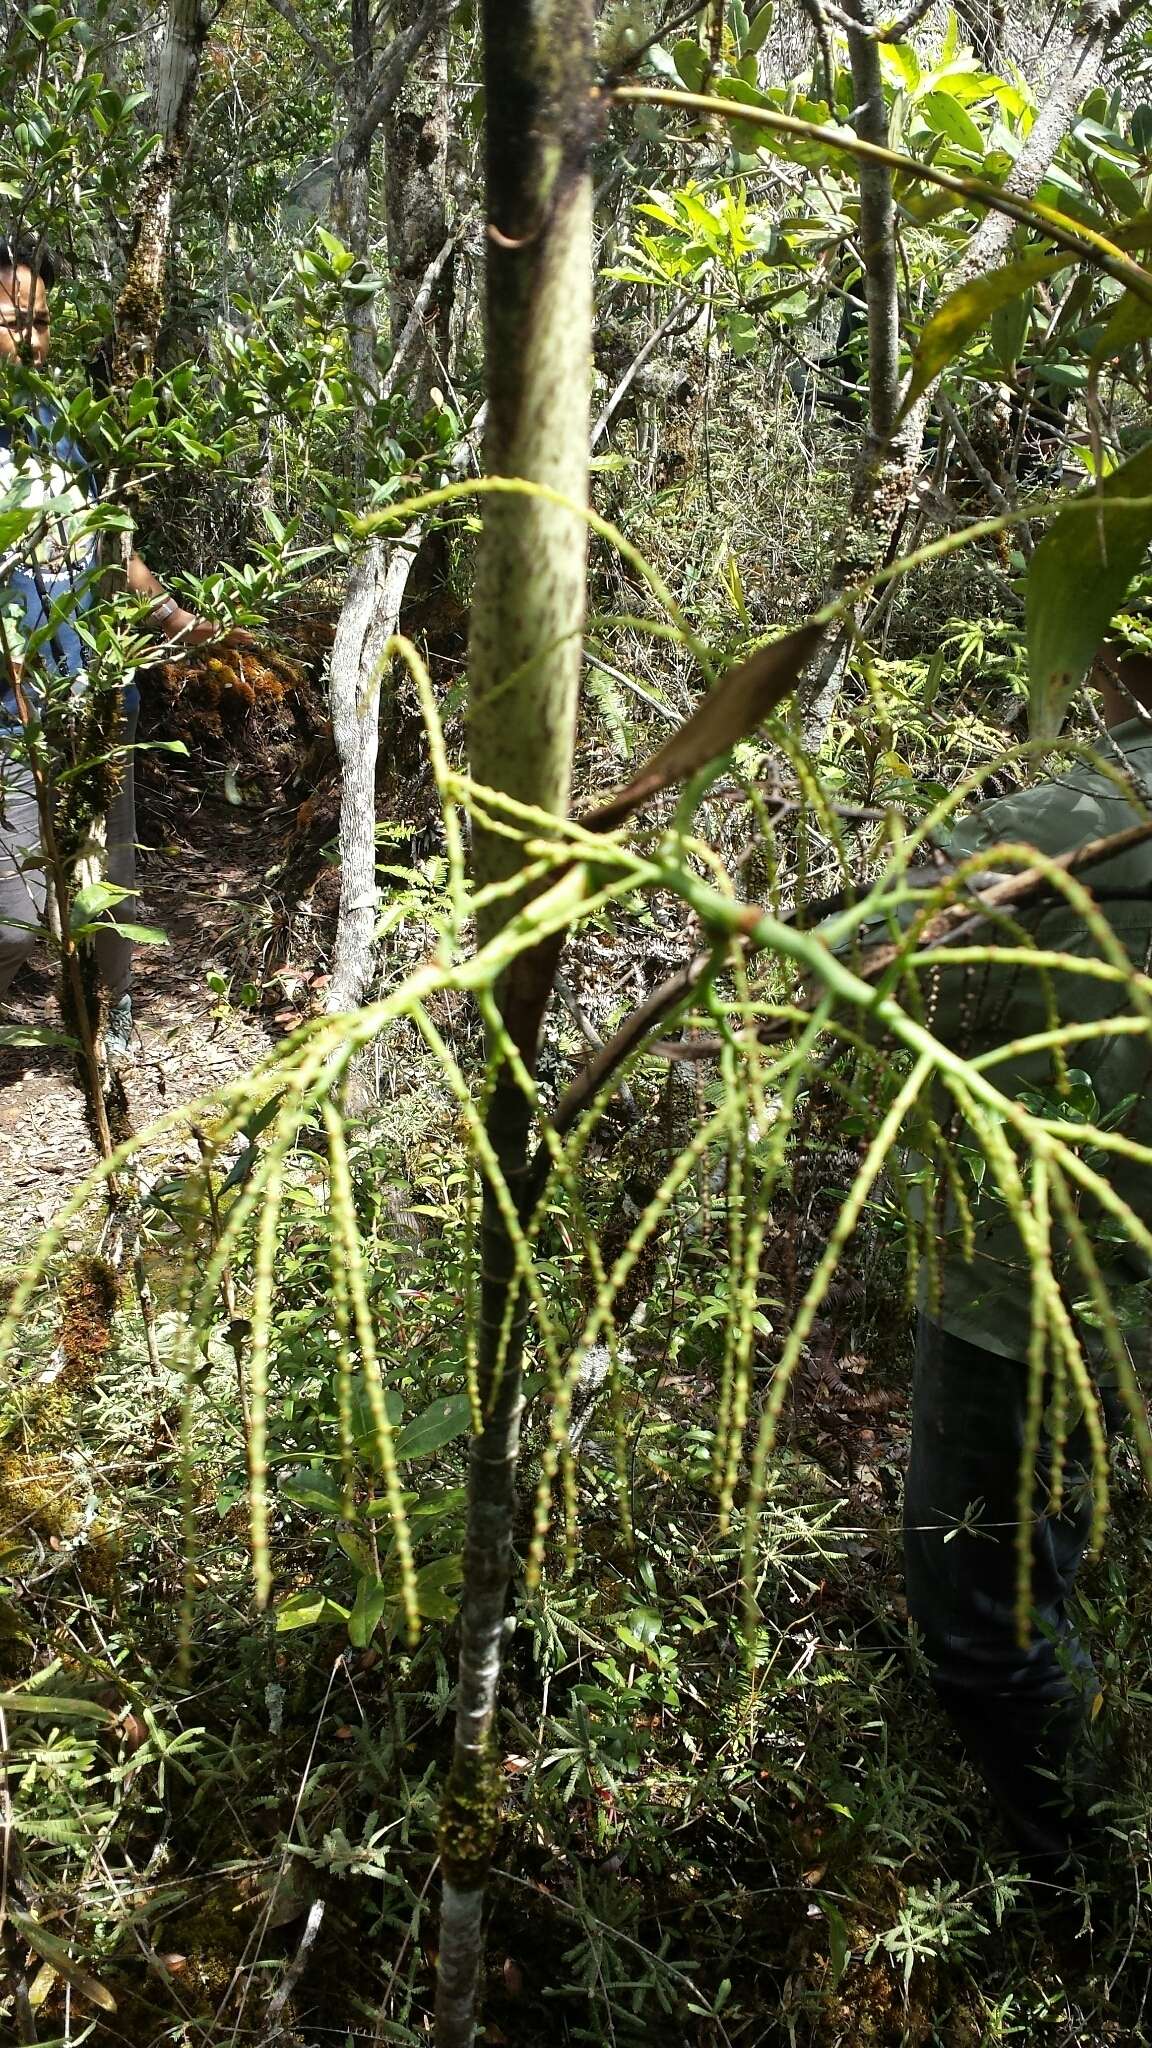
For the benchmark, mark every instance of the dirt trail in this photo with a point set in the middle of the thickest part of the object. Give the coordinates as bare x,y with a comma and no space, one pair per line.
202,881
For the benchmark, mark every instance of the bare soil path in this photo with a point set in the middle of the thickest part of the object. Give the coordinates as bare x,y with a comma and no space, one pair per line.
203,881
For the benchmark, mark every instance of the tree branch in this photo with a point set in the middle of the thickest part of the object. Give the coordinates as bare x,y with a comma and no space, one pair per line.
387,81
328,63
420,305
667,325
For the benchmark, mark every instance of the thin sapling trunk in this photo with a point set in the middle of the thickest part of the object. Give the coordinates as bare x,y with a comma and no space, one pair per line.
525,656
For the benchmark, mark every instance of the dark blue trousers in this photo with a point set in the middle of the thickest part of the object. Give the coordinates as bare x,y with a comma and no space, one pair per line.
1023,1713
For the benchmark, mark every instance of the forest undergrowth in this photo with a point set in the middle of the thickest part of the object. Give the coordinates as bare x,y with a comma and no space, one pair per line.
694,1848
703,1839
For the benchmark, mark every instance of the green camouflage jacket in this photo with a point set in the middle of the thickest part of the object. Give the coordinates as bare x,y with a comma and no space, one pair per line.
987,1300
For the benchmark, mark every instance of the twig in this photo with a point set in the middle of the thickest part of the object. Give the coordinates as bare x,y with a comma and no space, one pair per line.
419,307
979,470
637,364
312,43
295,1968
589,1032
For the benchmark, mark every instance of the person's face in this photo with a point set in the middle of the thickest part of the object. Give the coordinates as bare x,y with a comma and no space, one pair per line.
24,316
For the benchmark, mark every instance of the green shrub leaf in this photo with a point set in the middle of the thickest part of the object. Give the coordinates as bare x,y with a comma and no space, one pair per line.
1077,581
966,310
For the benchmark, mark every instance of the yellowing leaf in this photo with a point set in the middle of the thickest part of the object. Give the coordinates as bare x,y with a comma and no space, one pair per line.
52,1950
1130,320
965,311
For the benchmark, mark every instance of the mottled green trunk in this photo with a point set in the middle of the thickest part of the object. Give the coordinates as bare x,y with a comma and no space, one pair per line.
527,625
528,612
140,306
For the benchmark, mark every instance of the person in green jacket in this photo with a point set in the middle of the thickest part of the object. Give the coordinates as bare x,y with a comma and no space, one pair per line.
1025,1713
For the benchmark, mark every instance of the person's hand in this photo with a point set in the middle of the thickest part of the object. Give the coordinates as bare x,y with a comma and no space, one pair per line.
205,632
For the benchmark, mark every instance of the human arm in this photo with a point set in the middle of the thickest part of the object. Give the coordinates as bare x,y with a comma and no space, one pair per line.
172,620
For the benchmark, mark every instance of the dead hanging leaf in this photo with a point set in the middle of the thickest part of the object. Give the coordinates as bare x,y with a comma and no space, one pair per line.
52,1950
739,703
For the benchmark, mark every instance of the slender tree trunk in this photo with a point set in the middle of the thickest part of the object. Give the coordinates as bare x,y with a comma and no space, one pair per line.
140,306
877,237
371,609
370,616
864,536
527,626
416,203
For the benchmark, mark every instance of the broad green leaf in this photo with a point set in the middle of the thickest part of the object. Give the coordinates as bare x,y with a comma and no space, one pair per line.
743,333
98,896
434,1599
945,116
48,1706
1129,321
966,310
16,520
312,1487
363,1431
758,29
440,1424
32,1034
372,1599
140,934
1077,581
310,1609
1119,189
1009,330
690,62
901,64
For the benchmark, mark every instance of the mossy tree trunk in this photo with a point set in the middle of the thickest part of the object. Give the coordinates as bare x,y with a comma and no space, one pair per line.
524,675
416,203
140,306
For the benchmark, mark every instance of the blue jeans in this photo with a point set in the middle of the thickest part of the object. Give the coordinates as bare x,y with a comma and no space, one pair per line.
23,883
1023,1712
